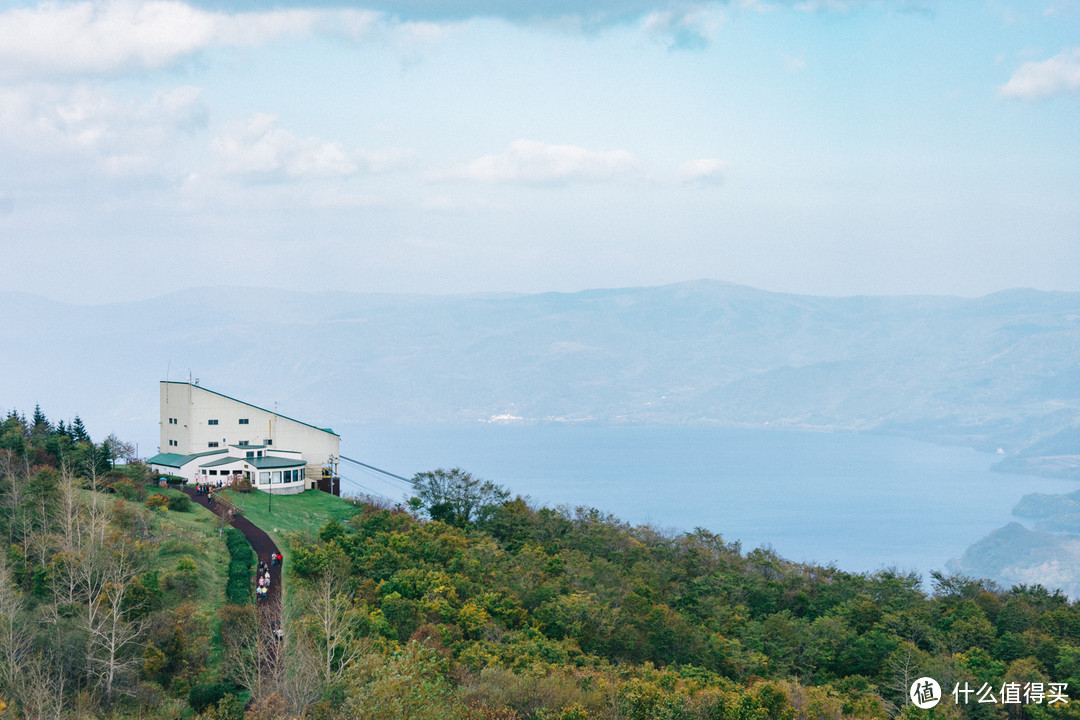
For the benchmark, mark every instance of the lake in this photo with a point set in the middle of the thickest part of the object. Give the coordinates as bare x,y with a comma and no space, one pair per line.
860,501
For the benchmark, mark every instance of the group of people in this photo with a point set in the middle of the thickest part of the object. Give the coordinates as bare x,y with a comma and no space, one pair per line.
262,575
264,584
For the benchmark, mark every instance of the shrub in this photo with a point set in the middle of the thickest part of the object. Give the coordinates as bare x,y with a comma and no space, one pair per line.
241,558
128,490
180,503
185,578
203,695
157,501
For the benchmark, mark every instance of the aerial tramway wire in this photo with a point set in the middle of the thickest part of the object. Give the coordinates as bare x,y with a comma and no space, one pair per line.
366,489
408,482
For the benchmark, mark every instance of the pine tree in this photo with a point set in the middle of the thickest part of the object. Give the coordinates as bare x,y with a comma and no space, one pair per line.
40,427
78,430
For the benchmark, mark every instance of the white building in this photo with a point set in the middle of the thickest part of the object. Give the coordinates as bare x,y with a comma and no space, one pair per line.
207,436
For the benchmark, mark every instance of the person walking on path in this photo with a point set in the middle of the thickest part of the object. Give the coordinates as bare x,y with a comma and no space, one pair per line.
262,544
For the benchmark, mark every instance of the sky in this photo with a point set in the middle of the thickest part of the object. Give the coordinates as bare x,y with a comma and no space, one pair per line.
828,147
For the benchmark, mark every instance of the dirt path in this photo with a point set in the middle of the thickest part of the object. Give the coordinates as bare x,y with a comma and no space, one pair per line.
262,544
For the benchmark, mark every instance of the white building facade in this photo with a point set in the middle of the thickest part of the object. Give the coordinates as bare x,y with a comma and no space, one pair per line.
210,437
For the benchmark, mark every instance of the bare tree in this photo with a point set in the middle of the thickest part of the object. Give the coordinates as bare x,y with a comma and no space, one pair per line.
254,657
97,514
120,449
902,668
70,516
112,637
301,680
333,628
41,688
14,643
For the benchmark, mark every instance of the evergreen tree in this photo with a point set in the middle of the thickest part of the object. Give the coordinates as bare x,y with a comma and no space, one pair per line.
40,426
78,430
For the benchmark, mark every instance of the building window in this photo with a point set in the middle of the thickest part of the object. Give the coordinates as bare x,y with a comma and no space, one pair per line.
172,421
250,453
264,478
211,444
242,442
243,421
172,443
268,442
276,476
213,472
211,422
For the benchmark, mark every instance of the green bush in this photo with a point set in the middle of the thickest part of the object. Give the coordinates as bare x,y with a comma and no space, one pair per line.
180,503
127,489
203,695
241,558
157,501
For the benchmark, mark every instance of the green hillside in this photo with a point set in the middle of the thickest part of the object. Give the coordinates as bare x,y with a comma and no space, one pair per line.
283,515
470,605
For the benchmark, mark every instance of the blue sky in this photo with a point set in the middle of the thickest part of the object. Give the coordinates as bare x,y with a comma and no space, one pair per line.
826,147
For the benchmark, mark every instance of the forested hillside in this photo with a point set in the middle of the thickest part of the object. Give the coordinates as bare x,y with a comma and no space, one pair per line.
121,599
502,610
110,586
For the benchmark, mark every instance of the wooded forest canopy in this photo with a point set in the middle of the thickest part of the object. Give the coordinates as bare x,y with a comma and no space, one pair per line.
119,598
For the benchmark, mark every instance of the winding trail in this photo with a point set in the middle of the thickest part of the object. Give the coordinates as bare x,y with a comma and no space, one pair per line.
262,544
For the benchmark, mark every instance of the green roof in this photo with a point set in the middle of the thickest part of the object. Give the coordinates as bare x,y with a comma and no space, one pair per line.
265,463
177,460
167,459
223,461
272,412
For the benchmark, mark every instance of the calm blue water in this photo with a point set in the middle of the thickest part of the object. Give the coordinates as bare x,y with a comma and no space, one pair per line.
862,502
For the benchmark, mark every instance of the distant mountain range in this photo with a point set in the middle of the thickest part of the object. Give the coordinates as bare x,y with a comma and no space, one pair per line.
999,371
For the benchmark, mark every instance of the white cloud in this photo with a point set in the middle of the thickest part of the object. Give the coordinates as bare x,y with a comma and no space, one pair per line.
794,63
455,204
687,28
703,170
257,147
109,36
531,161
1038,80
829,5
843,6
123,136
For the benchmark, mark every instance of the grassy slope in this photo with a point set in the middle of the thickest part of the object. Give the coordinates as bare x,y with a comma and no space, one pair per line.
194,534
306,512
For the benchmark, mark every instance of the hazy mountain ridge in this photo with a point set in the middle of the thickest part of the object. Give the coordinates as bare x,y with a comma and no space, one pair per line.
993,371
